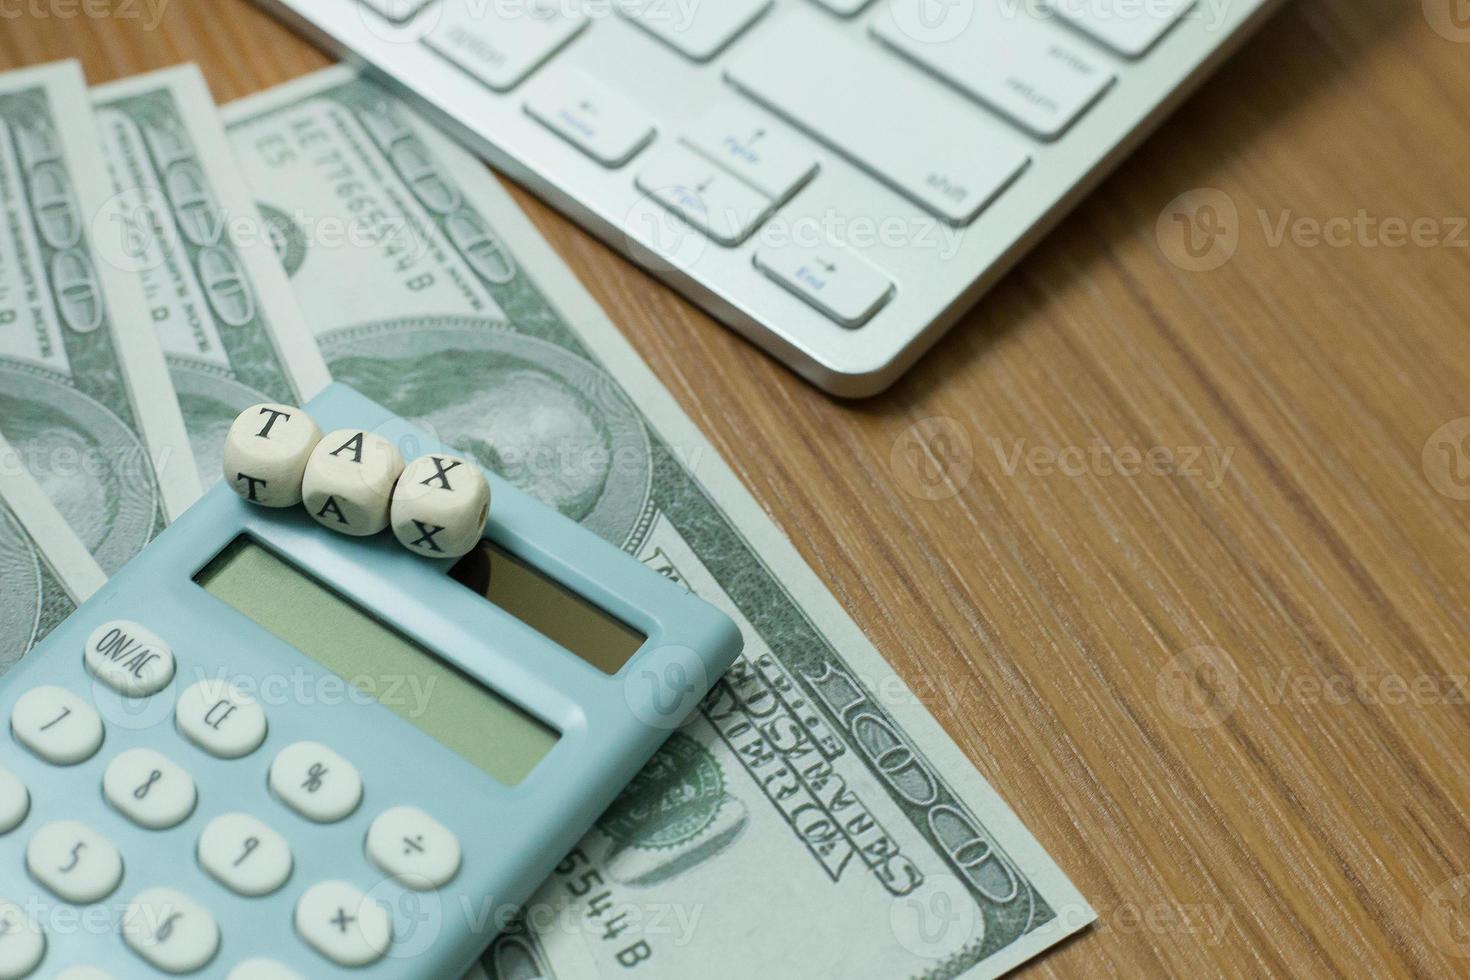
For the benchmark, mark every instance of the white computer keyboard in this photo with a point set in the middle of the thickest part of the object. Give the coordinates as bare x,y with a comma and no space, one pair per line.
836,179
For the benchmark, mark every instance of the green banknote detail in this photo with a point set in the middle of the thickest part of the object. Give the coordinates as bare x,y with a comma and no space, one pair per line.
482,384
77,431
32,598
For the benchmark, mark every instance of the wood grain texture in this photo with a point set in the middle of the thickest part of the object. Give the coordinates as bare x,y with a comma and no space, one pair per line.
1231,703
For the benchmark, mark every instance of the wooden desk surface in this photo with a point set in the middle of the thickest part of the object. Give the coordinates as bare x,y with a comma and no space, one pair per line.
1176,555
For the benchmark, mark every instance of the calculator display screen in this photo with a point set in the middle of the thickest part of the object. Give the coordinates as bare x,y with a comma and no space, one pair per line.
383,665
549,607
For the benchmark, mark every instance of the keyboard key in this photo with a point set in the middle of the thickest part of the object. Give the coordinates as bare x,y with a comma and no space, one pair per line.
698,31
22,944
1129,27
245,855
1022,67
396,11
500,44
57,725
262,969
724,208
844,8
15,801
78,864
129,658
880,114
343,924
417,850
845,287
738,138
169,930
316,782
149,788
83,973
221,719
590,116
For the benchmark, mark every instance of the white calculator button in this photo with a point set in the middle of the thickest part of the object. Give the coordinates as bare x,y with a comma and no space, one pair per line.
343,924
21,942
221,719
245,855
83,973
130,658
259,969
316,782
149,788
417,850
171,931
57,725
74,861
15,801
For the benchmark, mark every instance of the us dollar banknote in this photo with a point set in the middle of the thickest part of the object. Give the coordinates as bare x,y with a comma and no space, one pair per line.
85,398
45,570
183,221
812,819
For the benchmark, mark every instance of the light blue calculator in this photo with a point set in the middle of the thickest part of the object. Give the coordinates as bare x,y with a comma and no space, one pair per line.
266,751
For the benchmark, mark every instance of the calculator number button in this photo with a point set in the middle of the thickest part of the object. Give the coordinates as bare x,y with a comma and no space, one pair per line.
83,973
245,855
149,788
78,864
22,943
15,801
169,930
129,658
221,719
417,850
260,969
316,782
343,924
57,725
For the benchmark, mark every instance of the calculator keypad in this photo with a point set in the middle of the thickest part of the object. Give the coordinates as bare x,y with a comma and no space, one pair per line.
417,850
316,782
343,924
83,973
78,864
22,943
129,658
57,725
15,801
149,788
221,719
171,931
245,855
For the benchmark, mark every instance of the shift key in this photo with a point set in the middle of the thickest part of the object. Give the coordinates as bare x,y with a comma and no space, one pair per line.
881,115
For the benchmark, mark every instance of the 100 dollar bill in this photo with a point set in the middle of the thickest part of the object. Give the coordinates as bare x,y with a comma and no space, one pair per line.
183,220
85,399
45,570
813,819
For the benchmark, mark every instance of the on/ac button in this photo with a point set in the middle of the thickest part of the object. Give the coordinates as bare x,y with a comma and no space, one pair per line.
129,658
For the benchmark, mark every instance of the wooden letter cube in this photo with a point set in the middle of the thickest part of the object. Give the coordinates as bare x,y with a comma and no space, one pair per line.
440,506
349,481
266,451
